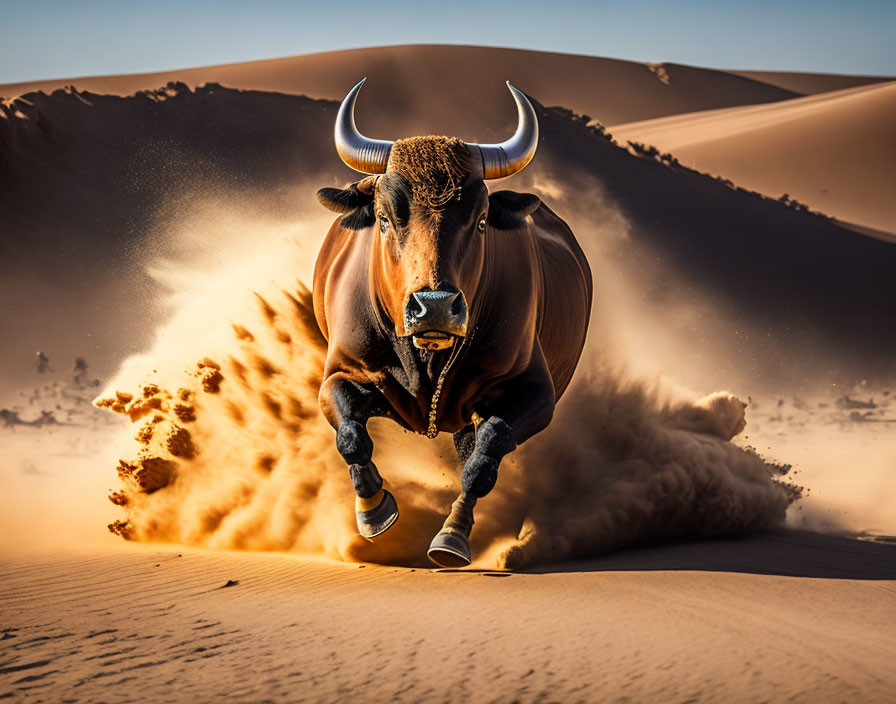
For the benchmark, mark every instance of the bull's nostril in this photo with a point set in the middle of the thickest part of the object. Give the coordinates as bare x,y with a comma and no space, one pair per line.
457,305
415,308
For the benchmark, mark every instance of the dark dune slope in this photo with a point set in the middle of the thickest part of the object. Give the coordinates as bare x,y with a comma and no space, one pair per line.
82,175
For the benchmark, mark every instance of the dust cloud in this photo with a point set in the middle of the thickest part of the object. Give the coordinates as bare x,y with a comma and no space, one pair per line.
227,448
810,408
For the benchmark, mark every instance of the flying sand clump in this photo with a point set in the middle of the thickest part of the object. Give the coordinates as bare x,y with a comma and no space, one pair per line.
239,456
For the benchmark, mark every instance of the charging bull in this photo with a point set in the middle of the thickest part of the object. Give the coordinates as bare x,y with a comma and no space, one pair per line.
446,308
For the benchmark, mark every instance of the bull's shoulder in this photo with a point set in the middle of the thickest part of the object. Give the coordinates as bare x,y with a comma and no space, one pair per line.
567,291
354,203
527,215
560,253
335,276
550,227
337,238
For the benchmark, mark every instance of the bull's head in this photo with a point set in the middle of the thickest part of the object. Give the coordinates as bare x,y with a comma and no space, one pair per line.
428,204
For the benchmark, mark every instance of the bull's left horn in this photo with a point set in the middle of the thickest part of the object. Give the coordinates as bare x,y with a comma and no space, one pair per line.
506,158
368,156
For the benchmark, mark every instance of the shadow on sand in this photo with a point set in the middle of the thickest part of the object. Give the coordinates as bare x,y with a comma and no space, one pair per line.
788,554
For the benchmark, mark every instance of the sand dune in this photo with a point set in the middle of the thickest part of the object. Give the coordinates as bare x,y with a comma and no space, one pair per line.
455,89
808,83
85,182
835,152
128,219
142,624
93,181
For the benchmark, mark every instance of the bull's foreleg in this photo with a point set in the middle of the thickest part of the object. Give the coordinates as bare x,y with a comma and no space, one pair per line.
525,408
348,406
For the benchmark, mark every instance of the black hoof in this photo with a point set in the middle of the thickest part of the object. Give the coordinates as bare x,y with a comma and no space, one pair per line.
449,549
377,514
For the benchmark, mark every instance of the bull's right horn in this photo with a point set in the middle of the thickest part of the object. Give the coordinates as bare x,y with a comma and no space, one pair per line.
369,156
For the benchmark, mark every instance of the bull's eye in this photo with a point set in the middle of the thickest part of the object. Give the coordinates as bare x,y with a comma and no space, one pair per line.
481,224
384,224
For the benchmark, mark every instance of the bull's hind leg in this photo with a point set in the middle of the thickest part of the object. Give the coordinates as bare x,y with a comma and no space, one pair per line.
517,416
348,406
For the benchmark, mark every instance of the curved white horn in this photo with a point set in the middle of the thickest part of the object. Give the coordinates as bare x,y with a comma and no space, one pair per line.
506,158
368,156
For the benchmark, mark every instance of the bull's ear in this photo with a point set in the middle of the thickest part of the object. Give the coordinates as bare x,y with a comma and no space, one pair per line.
356,200
507,209
345,200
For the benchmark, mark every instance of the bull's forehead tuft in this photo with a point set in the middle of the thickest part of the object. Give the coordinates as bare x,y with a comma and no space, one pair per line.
435,167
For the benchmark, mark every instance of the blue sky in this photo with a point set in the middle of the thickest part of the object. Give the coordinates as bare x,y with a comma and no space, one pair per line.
53,39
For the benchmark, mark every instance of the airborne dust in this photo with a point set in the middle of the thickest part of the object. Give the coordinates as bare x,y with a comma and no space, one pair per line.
227,448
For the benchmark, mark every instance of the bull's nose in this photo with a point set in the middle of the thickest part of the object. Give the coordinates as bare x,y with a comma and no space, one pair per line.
437,310
430,304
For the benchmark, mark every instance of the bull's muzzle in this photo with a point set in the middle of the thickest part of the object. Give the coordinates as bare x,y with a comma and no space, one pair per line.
436,318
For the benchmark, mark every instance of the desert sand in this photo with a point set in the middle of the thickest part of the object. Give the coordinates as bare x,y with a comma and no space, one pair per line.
809,83
791,617
413,77
136,230
833,151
